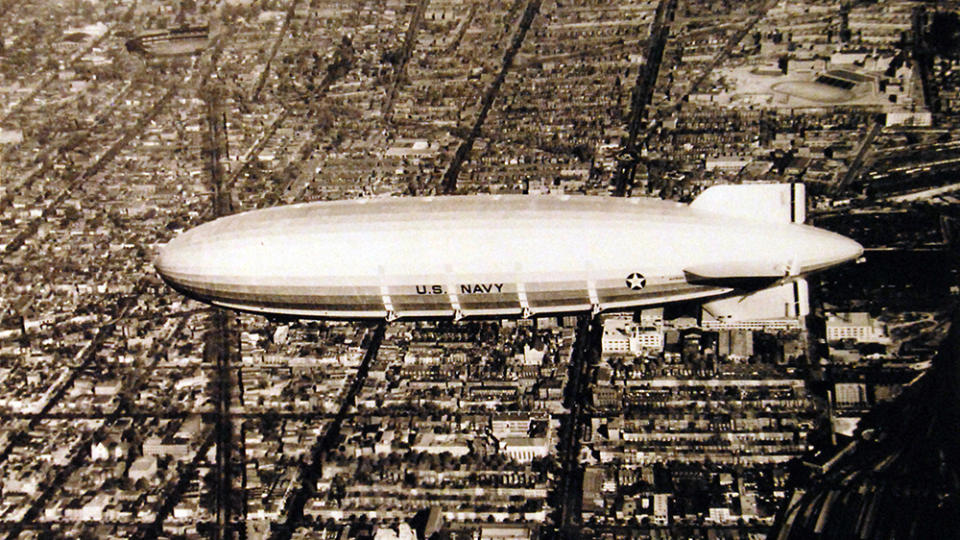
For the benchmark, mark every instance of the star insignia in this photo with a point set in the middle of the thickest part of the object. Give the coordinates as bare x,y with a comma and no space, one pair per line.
636,281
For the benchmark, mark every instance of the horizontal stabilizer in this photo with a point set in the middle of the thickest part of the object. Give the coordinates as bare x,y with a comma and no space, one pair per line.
778,203
786,301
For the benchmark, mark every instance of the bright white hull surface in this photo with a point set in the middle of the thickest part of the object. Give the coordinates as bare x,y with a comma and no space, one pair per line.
478,256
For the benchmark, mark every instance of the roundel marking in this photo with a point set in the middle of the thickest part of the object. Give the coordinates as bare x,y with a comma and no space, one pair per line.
636,281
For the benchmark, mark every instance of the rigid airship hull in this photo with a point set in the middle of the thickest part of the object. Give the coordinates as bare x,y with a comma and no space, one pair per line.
483,256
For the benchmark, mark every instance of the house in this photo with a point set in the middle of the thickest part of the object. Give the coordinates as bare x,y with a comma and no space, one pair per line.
93,510
99,452
107,450
143,467
110,387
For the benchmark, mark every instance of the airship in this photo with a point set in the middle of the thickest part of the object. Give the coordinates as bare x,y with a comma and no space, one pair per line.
499,255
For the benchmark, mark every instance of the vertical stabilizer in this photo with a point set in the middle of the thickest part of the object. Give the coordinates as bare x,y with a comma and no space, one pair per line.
778,203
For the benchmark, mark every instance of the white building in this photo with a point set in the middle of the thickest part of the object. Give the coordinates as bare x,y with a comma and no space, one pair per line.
616,336
525,449
436,443
647,339
93,510
719,514
858,326
533,357
622,336
510,425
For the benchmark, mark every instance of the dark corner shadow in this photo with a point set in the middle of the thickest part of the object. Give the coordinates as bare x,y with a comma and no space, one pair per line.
899,477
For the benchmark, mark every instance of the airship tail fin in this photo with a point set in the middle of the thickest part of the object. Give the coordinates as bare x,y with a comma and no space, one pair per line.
778,203
786,301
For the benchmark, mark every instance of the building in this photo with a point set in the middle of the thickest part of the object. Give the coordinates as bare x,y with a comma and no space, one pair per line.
166,446
525,449
510,425
622,336
858,326
648,339
143,467
616,336
726,163
93,509
434,443
850,394
735,344
532,356
504,531
661,508
592,493
719,514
